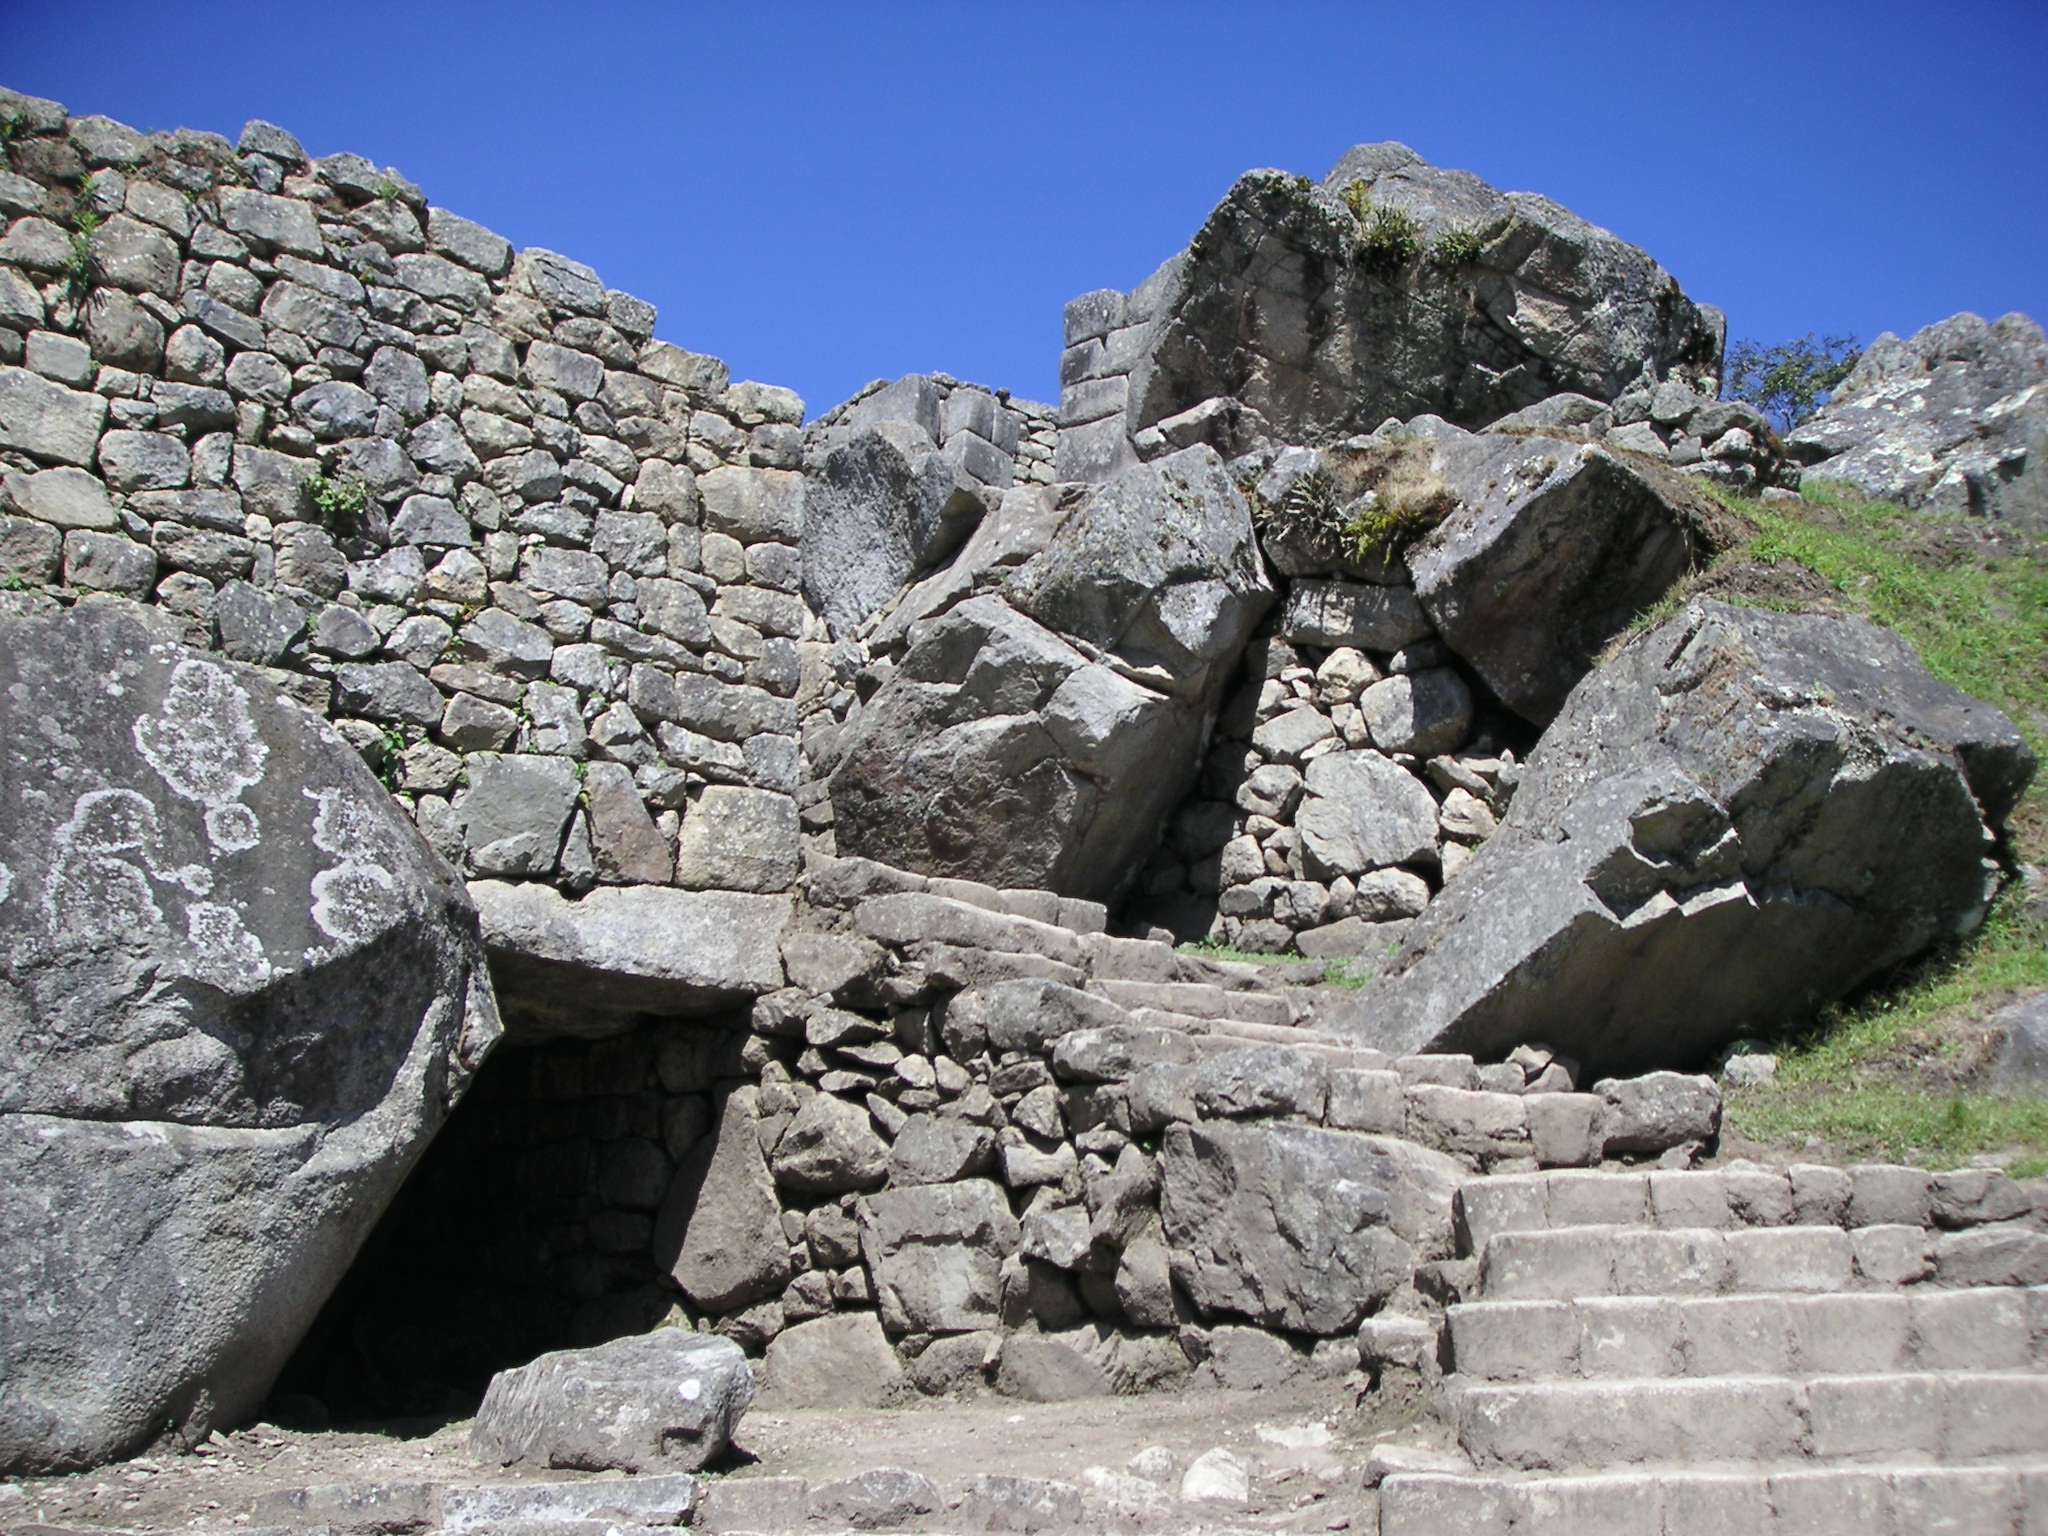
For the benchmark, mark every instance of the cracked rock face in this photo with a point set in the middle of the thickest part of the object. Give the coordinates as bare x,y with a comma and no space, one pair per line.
1038,735
239,995
1282,304
1739,817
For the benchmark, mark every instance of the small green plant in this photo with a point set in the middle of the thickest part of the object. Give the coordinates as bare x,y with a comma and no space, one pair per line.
387,190
1791,381
1406,501
340,502
1390,239
85,223
1308,515
1458,246
1358,198
12,583
13,126
393,744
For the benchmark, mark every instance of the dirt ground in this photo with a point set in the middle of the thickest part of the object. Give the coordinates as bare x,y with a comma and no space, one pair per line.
1304,1446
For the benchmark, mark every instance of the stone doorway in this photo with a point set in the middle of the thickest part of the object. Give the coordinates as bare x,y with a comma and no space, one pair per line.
528,1226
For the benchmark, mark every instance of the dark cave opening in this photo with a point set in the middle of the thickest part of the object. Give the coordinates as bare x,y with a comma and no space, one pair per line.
527,1225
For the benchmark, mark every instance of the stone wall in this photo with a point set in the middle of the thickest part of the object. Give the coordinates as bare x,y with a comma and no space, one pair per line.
540,568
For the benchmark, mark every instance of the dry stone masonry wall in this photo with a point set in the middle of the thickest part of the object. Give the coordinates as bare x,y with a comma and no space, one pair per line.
830,798
539,567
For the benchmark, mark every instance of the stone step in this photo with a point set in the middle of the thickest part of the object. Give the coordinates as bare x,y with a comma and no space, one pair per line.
1883,1499
1992,1329
1806,1195
1946,1416
1569,1263
1201,999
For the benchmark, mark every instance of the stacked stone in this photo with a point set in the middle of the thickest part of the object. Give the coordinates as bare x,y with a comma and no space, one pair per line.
1107,334
973,1112
539,567
1346,784
1726,441
997,440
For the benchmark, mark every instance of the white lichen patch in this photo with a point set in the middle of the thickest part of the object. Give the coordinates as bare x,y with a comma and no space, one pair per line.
203,742
351,898
224,953
96,894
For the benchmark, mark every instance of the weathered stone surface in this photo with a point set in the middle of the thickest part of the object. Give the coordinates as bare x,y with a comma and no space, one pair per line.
47,420
879,508
240,993
1552,549
1297,1227
658,1402
933,1151
1423,713
880,1499
1362,811
1657,1111
738,839
719,1232
1740,816
832,1362
1346,613
1954,418
1283,305
996,750
574,966
830,1146
936,1254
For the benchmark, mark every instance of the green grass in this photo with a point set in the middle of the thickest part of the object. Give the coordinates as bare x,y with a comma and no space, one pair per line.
1882,1074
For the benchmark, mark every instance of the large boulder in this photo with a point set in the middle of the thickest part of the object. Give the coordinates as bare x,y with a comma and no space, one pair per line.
240,994
1955,418
1308,314
878,508
1037,736
1552,549
1740,816
1297,1227
666,1401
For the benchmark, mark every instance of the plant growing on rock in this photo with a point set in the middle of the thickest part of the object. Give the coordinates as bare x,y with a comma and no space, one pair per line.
85,223
1458,246
340,502
1404,499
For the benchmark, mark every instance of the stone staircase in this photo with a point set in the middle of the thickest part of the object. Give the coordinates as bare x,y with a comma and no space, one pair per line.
1684,1353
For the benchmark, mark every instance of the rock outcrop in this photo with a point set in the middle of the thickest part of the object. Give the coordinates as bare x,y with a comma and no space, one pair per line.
1736,819
1038,734
1954,418
1305,314
239,995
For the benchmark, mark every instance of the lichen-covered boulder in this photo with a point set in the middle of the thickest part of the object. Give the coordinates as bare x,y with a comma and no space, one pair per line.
1955,418
239,995
1737,818
1307,314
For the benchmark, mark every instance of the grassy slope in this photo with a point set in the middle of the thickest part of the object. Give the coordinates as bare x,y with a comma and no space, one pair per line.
1887,1073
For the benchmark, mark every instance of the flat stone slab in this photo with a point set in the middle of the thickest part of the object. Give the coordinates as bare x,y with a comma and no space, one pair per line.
571,967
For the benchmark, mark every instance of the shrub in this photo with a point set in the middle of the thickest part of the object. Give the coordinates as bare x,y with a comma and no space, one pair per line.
1391,238
1791,381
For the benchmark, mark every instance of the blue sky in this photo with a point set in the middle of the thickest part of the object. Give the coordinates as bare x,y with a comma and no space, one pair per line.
824,194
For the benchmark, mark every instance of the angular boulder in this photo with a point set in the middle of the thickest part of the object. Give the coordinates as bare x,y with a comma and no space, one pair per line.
1297,1227
877,509
1552,548
666,1401
1954,418
1038,737
240,994
719,1232
1739,817
1394,288
936,1254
